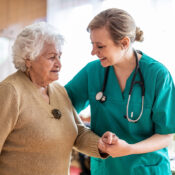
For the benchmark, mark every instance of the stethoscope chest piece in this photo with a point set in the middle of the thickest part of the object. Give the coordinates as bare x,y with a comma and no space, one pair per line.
100,97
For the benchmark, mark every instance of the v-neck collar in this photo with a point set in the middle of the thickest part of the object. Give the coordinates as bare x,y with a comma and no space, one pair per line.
113,81
36,91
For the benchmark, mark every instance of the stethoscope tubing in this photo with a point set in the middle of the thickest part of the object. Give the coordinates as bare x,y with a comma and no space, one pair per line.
102,98
127,109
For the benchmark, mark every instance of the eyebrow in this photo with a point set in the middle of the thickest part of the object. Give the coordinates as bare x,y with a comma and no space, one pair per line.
97,43
52,53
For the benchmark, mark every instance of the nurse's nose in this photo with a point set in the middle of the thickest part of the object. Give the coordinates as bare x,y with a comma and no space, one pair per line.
94,51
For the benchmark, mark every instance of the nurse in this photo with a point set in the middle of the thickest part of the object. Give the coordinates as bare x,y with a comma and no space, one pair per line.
143,133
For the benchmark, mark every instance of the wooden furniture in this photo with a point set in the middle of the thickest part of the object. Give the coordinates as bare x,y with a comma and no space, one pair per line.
15,14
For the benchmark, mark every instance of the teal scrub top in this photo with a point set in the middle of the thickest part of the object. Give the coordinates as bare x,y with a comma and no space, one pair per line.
158,114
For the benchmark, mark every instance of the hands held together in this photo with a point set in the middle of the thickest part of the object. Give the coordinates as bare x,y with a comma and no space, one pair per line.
114,146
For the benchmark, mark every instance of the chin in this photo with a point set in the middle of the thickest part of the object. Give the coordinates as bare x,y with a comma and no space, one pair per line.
54,78
104,65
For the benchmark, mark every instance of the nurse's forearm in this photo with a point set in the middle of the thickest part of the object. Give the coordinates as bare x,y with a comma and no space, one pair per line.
119,147
153,143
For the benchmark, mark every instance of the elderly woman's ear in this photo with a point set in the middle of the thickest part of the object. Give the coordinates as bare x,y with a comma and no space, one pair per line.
28,64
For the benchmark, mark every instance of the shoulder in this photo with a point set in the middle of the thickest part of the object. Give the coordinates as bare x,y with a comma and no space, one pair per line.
14,87
8,93
58,87
153,67
91,70
155,72
7,86
16,79
9,83
93,64
59,91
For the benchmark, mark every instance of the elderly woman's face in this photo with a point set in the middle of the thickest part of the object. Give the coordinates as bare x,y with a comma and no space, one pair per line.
46,66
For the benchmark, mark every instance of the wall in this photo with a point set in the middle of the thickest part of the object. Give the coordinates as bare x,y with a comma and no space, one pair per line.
14,15
21,11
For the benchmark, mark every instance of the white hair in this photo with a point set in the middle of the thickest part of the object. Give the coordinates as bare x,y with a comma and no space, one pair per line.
30,42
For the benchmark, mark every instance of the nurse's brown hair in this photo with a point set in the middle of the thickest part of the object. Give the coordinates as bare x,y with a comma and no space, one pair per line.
119,24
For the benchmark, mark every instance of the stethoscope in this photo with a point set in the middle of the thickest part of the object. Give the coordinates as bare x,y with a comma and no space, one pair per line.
102,98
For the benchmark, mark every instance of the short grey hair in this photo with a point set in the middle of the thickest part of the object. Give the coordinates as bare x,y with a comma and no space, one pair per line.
30,42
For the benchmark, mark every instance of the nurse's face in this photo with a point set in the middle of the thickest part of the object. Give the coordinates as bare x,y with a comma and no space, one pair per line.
104,48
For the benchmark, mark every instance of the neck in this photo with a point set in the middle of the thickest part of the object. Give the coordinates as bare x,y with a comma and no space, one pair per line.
38,82
128,62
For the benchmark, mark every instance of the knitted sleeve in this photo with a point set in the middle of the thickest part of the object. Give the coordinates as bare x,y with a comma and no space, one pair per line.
8,111
87,141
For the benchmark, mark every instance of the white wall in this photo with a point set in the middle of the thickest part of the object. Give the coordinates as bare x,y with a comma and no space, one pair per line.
6,65
155,17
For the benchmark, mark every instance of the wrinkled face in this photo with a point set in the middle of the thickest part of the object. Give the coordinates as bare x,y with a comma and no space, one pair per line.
46,66
104,48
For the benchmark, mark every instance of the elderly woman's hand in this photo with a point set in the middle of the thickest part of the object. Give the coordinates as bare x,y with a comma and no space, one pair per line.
109,143
108,138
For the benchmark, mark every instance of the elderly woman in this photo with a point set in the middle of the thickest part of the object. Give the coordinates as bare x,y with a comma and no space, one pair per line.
38,125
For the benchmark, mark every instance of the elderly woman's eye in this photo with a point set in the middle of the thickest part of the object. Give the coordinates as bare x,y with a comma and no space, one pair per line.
52,58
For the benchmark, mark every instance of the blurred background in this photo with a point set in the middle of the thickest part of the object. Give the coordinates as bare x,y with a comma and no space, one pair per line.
155,17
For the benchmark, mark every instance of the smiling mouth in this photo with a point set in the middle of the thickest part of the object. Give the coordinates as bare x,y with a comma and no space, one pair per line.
102,59
55,71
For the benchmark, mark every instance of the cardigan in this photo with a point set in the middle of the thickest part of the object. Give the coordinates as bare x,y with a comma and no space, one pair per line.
32,141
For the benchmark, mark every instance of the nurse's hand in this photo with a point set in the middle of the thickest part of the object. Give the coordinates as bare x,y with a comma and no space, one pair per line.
114,146
108,138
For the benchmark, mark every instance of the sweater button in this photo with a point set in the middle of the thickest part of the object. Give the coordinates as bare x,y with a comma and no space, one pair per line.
56,113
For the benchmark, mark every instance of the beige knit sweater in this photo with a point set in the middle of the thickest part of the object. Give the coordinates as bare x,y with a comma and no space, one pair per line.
32,141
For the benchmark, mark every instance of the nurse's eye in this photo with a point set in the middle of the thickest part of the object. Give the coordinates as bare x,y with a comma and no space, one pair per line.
100,47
